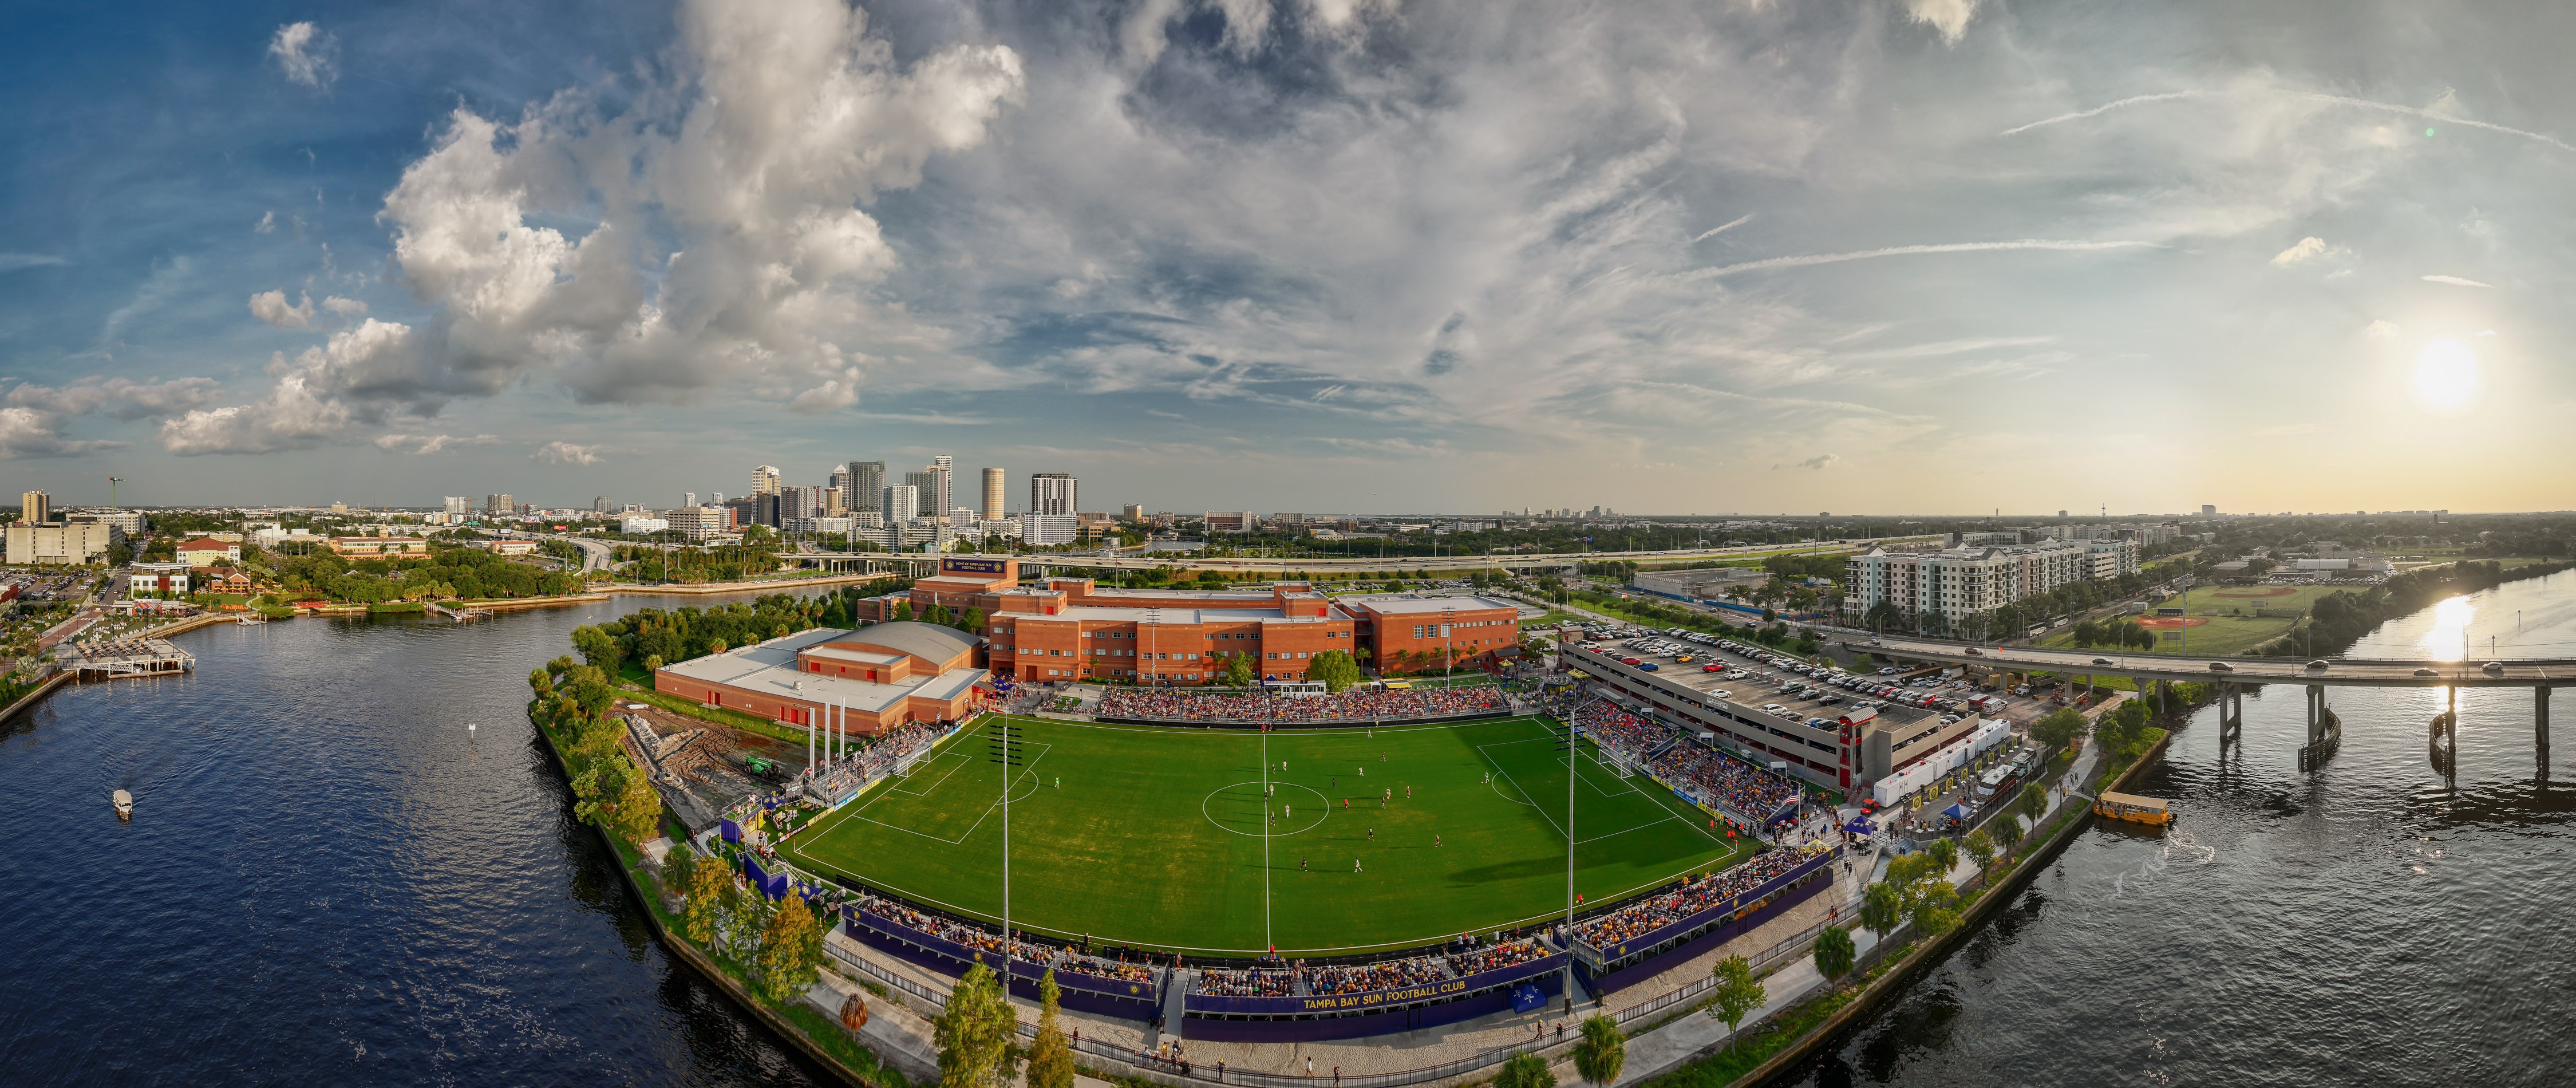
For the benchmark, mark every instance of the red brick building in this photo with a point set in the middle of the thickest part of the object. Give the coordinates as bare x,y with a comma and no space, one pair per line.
1073,628
869,680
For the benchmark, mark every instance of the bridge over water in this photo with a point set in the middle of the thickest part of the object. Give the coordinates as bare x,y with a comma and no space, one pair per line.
2233,675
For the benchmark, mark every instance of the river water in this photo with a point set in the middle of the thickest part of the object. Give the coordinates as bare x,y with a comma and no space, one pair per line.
329,880
2371,924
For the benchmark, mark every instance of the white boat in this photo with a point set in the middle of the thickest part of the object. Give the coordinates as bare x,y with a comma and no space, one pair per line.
124,803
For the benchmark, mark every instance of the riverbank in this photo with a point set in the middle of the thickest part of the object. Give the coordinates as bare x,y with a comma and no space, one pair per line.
768,585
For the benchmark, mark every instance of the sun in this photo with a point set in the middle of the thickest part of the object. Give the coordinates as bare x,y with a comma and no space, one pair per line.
2446,375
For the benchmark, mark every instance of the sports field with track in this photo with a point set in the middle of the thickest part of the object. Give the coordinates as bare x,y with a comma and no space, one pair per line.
1166,837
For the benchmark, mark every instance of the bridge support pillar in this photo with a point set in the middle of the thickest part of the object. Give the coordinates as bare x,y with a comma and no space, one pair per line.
2231,715
2540,727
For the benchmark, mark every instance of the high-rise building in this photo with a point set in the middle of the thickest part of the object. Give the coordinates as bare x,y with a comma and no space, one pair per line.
925,491
35,507
840,480
992,494
501,505
700,522
2208,510
1054,493
901,501
601,505
836,501
690,498
867,485
943,471
458,506
764,480
1231,521
800,501
1133,511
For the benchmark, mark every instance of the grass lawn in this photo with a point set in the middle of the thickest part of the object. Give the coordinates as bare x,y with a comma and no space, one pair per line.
2229,624
1157,837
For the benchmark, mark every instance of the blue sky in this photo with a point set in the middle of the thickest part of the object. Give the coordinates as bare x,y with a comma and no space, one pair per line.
1319,255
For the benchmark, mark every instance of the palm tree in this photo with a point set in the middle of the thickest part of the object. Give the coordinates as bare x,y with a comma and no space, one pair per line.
1602,1052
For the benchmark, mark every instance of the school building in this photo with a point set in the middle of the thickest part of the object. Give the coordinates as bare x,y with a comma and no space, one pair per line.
868,681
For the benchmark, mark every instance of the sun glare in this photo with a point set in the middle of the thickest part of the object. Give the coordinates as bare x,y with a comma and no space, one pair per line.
2446,374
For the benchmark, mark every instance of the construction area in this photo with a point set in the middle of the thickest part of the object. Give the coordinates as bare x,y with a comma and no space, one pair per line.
701,768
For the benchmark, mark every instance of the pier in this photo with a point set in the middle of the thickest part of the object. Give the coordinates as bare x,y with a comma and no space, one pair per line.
123,658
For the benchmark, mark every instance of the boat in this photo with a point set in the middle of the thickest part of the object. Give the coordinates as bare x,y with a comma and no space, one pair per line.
124,803
2130,806
249,618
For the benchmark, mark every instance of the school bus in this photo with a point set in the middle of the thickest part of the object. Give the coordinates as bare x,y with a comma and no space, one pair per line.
2130,806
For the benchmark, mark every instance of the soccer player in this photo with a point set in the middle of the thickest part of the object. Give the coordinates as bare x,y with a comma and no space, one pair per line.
1435,839
1355,867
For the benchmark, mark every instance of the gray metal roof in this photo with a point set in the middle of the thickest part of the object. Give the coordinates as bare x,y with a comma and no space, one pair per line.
927,641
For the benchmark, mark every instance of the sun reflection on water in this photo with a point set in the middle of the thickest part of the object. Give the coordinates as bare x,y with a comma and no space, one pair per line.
2448,640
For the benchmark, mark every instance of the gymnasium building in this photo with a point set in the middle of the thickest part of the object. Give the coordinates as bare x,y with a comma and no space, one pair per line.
869,680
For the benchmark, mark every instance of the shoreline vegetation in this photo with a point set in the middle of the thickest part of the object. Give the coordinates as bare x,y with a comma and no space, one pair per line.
2340,619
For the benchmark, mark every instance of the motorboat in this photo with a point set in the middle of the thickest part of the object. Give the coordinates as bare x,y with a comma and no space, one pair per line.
124,803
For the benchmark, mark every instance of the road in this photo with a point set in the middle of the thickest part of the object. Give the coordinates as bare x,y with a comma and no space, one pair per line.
2342,672
1451,563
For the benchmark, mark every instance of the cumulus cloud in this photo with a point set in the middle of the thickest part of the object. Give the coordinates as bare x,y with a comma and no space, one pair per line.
2456,281
726,245
1949,17
306,54
361,375
345,307
272,307
565,453
431,443
2306,248
2381,330
35,416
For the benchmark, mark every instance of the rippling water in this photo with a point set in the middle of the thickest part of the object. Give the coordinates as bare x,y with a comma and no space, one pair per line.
328,880
2373,923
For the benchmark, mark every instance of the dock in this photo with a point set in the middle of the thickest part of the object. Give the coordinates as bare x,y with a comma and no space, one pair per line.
118,659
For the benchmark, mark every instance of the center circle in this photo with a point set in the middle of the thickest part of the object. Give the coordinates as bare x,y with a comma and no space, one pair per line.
1241,808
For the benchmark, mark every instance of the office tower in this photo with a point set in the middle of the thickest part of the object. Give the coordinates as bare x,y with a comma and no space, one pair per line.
599,504
944,473
901,502
992,494
1053,493
1132,512
836,501
500,505
840,480
764,480
458,506
867,485
765,509
688,498
925,491
800,501
35,507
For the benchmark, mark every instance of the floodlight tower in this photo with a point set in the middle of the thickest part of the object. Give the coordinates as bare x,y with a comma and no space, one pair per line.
112,481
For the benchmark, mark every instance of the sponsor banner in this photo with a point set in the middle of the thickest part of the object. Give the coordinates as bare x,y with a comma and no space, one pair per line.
1334,1004
973,566
1658,935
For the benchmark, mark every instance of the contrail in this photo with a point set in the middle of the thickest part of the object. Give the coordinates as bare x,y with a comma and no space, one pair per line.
2456,281
2104,108
2313,96
1905,251
1739,221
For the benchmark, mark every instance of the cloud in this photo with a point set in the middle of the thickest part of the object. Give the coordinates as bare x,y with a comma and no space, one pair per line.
1950,17
725,241
2381,330
267,223
2456,281
345,307
11,262
1907,251
1819,461
32,423
1722,228
427,444
306,54
565,453
271,307
362,375
2133,100
2305,249
2447,118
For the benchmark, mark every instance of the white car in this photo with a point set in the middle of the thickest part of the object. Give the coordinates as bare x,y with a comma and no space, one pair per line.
1721,693
1774,708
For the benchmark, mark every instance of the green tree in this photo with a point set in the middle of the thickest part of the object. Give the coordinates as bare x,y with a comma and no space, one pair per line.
1944,851
1239,671
974,1032
903,611
2033,803
1738,993
703,918
1051,1057
973,622
1602,1052
2007,832
1524,1070
1834,953
938,614
1882,908
597,647
678,867
2058,729
1981,848
790,949
652,663
1335,670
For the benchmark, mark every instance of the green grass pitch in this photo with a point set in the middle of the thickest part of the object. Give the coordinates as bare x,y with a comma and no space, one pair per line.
1157,837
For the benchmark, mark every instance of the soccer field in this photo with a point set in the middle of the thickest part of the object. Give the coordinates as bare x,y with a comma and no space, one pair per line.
1161,837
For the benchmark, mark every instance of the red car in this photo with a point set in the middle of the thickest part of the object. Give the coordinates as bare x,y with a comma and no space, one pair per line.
1712,668
1630,661
1975,652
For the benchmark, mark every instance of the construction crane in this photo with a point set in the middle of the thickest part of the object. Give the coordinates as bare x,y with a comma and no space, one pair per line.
112,481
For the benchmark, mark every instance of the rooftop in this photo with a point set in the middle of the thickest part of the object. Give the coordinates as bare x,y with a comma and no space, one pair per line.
770,669
1414,603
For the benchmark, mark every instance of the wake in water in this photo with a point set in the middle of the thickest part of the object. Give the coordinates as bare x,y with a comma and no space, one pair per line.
2177,848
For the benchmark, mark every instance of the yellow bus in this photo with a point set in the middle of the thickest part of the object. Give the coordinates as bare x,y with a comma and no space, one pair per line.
2130,806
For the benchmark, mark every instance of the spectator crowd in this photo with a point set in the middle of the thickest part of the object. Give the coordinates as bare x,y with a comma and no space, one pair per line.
1655,912
1357,704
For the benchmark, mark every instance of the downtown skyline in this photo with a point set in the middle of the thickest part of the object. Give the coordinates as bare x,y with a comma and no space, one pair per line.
1921,257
